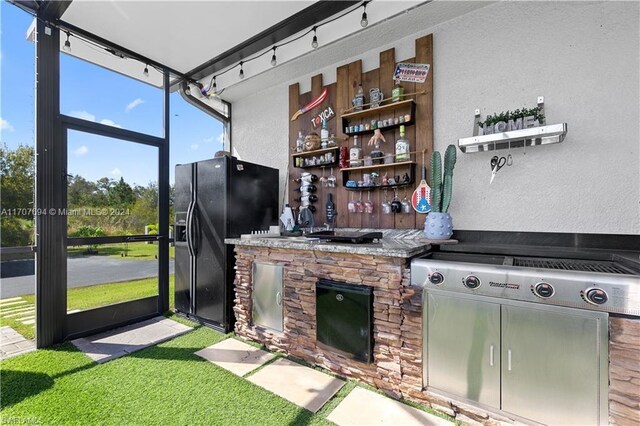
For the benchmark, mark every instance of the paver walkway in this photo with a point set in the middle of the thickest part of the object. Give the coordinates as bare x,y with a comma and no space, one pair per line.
365,407
311,389
122,341
21,310
12,343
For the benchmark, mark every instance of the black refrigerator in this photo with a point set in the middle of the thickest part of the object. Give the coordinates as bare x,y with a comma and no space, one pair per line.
216,199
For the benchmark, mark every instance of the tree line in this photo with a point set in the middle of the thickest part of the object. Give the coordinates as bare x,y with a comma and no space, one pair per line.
130,208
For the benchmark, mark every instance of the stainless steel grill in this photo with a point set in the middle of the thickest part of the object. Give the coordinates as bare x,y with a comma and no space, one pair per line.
570,265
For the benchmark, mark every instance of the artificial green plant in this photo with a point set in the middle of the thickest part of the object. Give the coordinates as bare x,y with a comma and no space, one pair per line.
441,187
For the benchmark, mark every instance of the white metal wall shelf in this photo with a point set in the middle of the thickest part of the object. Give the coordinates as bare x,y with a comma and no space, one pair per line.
541,135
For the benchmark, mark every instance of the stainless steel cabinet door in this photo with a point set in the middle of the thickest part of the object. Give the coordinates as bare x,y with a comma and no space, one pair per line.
463,348
551,365
267,295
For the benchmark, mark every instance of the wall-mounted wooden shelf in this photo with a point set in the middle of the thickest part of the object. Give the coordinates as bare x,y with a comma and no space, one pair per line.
405,164
361,116
315,152
377,166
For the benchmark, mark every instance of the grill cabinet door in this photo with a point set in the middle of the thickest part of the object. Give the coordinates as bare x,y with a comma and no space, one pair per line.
267,295
551,364
462,348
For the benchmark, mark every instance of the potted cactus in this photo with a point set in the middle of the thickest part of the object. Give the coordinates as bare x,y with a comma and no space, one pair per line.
438,225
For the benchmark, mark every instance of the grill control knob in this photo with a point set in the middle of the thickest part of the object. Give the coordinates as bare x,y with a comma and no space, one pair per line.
544,290
471,281
596,296
436,278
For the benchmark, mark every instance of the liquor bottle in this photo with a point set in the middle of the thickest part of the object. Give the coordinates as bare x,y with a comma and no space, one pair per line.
300,142
355,155
402,147
324,134
377,156
330,209
397,93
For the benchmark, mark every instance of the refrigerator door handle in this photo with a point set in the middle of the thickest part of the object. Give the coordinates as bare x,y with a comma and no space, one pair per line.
195,226
189,229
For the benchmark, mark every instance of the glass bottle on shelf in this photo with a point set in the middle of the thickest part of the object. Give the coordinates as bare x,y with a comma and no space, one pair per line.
300,142
402,147
355,155
332,140
377,156
324,134
397,93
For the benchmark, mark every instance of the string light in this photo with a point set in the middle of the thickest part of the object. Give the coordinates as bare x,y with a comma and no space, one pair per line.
364,21
146,71
67,44
314,44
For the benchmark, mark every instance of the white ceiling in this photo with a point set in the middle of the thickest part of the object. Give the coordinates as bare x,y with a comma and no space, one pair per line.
179,34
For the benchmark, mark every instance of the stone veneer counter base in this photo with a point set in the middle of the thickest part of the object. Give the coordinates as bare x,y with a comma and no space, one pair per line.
397,325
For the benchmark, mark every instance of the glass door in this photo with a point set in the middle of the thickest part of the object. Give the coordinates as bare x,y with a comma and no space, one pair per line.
113,259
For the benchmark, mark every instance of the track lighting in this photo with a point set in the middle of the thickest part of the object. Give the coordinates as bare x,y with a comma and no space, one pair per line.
241,74
274,62
214,87
146,71
364,21
67,44
314,43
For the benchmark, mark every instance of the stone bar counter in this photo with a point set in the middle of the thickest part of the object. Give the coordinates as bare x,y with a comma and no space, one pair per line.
397,309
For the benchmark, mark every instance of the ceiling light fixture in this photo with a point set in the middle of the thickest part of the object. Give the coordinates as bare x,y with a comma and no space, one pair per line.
146,71
241,74
67,44
274,62
314,42
364,21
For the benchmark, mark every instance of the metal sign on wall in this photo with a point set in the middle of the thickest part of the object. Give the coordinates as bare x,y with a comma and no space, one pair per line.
414,73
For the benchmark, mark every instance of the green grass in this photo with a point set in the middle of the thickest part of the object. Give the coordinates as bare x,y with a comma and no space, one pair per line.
164,384
136,251
98,295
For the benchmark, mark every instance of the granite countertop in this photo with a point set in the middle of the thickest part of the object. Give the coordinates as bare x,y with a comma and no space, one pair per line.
404,244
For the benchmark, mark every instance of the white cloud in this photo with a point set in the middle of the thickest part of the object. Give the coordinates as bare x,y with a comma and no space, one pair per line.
207,140
108,122
82,150
194,146
116,172
134,103
5,125
85,115
220,138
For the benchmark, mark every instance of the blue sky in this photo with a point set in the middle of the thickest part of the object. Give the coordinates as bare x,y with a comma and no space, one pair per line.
91,92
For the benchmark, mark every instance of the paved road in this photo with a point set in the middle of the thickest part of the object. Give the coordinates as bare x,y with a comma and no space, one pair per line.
86,271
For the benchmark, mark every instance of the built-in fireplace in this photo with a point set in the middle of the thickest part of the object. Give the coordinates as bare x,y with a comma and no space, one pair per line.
344,316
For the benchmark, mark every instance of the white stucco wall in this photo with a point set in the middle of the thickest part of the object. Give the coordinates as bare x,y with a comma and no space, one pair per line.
582,57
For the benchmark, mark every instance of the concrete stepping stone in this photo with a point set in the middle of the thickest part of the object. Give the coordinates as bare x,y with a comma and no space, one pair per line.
13,343
122,341
303,386
365,407
235,356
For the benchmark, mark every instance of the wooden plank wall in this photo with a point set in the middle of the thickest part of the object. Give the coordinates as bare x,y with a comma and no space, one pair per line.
420,136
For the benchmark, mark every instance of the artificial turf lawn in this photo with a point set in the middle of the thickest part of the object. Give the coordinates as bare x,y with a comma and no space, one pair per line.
163,384
98,295
135,251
